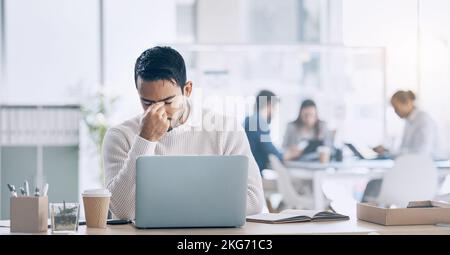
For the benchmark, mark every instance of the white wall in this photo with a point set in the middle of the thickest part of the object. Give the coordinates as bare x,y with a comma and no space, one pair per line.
130,28
393,24
221,21
435,65
51,51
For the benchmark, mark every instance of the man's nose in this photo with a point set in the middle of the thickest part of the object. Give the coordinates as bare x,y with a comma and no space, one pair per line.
169,110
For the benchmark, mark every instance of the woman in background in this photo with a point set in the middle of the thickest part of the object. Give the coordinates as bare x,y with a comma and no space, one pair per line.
420,131
305,128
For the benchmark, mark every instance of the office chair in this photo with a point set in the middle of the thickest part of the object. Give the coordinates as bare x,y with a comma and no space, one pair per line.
291,198
413,177
269,183
372,191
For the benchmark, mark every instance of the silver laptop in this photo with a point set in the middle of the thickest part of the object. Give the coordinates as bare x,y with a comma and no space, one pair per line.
191,191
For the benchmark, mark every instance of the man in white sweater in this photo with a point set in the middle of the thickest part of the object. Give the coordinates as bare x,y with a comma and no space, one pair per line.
170,125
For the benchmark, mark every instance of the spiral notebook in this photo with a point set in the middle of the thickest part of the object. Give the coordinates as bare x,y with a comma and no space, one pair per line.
290,216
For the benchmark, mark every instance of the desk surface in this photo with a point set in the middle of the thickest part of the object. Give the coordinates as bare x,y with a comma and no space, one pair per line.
352,227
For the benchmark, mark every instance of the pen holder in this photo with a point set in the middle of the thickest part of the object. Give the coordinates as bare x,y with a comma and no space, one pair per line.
29,214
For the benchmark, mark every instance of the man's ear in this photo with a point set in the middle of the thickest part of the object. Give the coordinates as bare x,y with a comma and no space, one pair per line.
187,90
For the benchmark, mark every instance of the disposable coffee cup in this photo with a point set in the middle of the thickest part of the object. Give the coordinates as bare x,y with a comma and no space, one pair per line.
324,154
96,205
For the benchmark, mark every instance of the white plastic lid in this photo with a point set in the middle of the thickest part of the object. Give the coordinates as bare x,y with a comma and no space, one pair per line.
96,193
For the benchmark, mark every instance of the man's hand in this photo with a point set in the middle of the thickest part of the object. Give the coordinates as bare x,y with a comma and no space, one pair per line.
154,122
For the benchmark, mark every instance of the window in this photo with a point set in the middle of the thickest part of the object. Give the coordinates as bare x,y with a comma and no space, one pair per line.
52,50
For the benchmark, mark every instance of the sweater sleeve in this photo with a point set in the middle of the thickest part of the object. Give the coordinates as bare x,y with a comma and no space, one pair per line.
236,143
120,169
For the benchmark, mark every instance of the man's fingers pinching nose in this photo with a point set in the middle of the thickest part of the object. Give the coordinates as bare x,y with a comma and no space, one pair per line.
154,107
161,111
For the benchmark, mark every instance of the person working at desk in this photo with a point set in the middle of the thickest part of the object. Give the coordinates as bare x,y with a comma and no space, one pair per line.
307,127
419,135
169,125
258,131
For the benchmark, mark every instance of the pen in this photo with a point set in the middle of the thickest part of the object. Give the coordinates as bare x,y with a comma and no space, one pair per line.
36,192
12,189
110,222
22,191
45,190
27,188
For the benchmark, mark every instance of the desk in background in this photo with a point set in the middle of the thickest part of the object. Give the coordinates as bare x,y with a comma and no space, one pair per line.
371,169
371,164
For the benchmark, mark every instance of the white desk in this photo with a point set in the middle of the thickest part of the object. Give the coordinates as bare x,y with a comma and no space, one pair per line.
350,227
371,164
371,169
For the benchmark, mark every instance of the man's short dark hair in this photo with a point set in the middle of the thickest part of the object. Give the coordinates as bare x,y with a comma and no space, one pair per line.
161,63
264,98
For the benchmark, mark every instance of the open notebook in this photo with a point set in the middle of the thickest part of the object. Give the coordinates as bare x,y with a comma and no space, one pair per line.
289,216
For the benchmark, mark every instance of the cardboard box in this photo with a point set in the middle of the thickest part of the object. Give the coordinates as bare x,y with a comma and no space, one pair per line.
29,214
402,216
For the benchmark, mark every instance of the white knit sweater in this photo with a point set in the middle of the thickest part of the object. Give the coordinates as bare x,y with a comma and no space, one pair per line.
122,145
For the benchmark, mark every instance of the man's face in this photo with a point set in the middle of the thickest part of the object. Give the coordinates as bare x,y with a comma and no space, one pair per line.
151,92
270,110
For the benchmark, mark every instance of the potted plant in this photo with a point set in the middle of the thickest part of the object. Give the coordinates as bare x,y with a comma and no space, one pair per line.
96,112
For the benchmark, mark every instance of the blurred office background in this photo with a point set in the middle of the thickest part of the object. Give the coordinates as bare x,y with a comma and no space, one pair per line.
66,70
